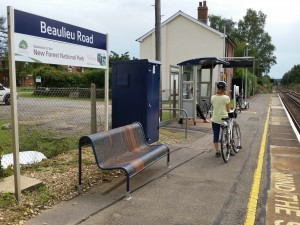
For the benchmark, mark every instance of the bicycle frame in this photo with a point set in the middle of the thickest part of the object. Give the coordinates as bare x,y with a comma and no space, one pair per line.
228,124
230,136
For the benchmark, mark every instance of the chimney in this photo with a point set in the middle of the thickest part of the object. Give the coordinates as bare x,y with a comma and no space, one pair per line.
202,12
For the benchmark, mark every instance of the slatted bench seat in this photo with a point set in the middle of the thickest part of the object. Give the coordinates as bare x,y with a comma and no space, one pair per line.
123,148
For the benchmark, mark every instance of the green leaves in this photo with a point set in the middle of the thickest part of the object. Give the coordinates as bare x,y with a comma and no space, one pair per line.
249,34
3,36
292,76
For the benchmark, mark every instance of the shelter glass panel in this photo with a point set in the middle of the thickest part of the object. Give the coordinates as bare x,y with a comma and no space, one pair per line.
205,76
187,74
204,88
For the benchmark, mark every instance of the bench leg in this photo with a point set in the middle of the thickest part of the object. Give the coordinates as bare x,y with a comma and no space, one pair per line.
168,160
79,170
128,195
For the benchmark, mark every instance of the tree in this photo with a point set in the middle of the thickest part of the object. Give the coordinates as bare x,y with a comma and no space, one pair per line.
3,37
292,76
116,57
249,34
251,31
219,23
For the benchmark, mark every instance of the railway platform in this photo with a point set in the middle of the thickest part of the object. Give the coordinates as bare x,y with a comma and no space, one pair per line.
283,201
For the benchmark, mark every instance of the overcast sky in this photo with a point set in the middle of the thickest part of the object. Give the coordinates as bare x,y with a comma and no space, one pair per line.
127,20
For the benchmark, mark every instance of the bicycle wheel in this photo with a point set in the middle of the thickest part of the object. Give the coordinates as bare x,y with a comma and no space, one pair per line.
225,148
210,111
204,110
236,137
240,105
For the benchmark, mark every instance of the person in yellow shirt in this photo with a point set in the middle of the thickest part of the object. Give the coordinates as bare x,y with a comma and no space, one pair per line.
221,107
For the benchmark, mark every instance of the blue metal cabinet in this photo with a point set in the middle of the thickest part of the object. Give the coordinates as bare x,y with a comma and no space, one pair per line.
135,95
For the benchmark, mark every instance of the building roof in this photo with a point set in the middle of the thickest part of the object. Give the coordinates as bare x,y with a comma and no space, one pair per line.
180,13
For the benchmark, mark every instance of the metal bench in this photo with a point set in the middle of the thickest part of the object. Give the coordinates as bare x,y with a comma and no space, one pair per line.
123,148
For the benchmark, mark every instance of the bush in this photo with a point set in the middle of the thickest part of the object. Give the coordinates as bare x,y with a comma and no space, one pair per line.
252,85
56,77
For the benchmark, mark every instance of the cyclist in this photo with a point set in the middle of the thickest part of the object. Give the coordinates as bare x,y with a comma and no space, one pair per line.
221,107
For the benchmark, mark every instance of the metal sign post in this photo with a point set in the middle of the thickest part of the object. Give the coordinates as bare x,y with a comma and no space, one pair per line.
13,97
106,88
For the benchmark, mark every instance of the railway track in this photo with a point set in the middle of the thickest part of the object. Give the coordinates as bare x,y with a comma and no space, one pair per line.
291,100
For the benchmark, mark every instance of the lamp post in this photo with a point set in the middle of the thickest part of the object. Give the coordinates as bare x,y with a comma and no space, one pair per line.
158,46
246,84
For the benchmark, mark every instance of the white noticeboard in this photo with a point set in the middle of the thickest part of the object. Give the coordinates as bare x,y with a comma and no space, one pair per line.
38,79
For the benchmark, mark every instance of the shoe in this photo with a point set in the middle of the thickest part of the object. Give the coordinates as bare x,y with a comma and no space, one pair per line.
218,154
232,153
206,121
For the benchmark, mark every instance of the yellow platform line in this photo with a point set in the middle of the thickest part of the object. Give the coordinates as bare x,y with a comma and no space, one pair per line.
252,202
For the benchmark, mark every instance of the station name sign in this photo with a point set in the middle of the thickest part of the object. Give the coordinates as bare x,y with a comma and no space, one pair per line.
40,39
64,33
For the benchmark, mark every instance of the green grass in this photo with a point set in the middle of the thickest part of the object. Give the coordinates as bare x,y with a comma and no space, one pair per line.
30,95
26,88
6,199
45,141
33,139
5,138
167,115
40,195
25,94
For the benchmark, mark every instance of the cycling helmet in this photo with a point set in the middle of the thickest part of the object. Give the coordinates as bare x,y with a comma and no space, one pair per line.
221,84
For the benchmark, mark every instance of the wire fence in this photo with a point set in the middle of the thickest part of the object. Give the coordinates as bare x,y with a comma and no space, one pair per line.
51,121
170,100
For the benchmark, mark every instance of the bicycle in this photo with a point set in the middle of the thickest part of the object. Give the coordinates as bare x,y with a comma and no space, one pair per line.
239,102
230,135
206,109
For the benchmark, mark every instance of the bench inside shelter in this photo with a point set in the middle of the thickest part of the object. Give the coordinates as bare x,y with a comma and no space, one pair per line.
123,148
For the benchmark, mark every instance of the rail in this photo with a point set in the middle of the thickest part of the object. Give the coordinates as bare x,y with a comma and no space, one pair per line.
292,103
186,117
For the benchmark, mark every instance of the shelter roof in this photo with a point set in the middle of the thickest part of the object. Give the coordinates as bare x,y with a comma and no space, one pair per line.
211,62
207,62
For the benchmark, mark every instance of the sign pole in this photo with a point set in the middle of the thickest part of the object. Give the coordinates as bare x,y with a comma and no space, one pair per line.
106,89
13,97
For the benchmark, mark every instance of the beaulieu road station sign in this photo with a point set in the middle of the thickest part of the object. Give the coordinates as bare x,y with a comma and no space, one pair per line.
43,40
33,38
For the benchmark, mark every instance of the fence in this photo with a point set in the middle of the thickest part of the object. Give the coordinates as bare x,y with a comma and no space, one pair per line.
170,100
51,120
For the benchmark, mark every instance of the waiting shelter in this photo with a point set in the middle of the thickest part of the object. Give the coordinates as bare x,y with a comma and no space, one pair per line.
196,80
195,84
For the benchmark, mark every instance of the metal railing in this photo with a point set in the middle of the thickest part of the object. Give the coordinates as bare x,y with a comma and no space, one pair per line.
186,117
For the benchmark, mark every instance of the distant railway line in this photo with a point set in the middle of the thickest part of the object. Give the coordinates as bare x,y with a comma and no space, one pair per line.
291,100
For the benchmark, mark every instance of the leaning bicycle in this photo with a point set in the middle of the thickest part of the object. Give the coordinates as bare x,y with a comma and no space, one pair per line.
230,135
206,108
239,102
